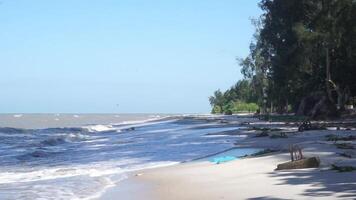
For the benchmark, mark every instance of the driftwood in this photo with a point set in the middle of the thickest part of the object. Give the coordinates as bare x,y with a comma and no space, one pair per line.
298,161
280,135
262,134
306,125
343,168
312,162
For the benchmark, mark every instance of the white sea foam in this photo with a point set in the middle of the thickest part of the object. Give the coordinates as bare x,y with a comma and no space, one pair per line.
122,125
94,170
73,163
99,128
18,115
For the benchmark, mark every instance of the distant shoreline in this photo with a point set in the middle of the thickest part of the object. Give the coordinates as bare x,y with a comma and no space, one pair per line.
53,120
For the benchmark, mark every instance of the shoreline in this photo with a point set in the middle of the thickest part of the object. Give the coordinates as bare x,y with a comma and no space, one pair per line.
250,177
128,189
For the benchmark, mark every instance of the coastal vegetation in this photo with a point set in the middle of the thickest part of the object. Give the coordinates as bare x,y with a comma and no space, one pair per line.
239,98
302,60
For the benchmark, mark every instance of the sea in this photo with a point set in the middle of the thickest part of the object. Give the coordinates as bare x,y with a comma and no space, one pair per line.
80,156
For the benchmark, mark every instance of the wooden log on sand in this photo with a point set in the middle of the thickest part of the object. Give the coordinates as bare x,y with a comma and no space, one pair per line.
312,162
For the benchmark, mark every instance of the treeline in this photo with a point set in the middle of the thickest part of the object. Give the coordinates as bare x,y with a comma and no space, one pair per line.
303,57
239,98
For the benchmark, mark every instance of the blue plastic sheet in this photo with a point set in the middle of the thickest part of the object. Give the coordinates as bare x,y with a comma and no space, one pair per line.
223,159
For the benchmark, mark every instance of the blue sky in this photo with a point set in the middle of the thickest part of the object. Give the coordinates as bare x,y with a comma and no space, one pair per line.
127,56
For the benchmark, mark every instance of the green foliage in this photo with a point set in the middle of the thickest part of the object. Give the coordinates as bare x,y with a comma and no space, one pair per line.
235,107
239,98
300,47
296,39
244,107
216,110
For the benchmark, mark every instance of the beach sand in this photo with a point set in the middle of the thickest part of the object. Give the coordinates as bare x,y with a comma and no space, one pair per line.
251,178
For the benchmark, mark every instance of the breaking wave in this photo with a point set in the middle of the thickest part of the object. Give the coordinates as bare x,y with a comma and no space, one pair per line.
82,162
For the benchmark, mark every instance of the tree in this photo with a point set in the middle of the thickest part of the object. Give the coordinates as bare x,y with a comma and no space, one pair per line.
217,100
303,51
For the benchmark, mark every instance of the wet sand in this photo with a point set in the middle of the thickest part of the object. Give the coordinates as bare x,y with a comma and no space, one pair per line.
252,178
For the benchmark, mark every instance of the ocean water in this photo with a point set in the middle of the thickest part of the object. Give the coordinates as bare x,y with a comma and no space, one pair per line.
80,158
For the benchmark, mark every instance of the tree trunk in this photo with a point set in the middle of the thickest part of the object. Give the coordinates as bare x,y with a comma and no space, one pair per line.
328,76
317,107
331,86
301,107
264,106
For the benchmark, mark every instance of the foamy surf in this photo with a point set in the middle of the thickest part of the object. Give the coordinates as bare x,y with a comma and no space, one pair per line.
83,162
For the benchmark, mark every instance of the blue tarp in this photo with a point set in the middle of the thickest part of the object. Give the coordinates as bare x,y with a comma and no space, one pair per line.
223,159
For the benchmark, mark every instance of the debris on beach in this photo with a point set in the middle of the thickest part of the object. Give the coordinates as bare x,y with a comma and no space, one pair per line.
308,126
223,159
262,134
312,162
280,135
333,137
345,146
264,152
348,154
343,168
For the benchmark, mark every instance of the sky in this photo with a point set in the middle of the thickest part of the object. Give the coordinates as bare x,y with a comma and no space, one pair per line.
120,56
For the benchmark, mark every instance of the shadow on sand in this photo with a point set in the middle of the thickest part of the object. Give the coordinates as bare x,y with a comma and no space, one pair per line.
326,182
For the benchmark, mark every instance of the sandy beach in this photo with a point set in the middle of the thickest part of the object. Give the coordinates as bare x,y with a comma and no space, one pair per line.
253,177
178,100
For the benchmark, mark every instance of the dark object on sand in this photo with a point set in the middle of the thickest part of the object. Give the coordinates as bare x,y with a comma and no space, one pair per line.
280,135
262,134
348,138
348,154
345,146
223,121
333,137
343,168
265,129
228,112
264,152
306,125
312,162
130,129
